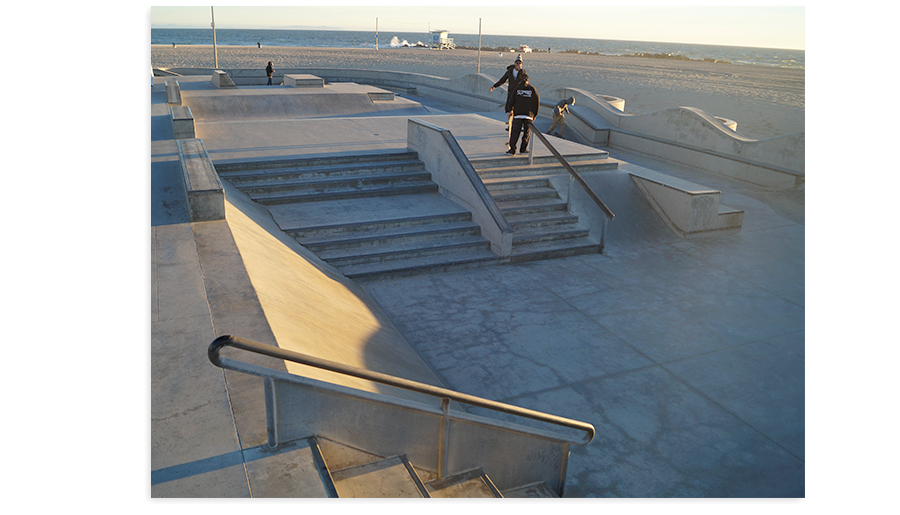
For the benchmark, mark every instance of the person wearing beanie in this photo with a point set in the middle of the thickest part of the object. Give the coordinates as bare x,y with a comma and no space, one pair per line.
559,115
524,109
513,76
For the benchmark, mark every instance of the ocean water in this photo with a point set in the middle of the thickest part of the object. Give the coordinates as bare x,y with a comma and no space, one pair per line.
410,41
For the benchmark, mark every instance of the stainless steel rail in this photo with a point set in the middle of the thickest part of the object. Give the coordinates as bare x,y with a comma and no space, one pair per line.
443,394
609,214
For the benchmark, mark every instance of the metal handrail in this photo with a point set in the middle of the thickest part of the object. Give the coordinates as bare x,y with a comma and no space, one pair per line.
444,394
603,207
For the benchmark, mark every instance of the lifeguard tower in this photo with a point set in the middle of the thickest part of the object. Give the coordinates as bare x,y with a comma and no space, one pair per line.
440,41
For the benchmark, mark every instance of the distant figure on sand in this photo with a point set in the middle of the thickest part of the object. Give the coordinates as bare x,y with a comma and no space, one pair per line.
559,115
524,109
258,45
514,74
173,45
269,72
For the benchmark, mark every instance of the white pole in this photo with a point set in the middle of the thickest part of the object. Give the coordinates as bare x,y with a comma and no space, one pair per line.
215,50
479,46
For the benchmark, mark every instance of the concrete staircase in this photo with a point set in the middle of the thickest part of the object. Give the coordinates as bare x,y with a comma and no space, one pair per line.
352,473
374,215
380,215
529,195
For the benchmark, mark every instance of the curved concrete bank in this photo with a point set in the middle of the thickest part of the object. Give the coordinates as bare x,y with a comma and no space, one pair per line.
689,136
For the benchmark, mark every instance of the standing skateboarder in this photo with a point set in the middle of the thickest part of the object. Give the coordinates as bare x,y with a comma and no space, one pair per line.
524,109
513,76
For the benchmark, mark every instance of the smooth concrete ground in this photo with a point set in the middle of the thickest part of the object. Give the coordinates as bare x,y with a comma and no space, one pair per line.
687,356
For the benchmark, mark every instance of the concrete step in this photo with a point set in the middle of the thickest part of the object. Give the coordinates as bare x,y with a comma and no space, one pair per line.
347,193
467,485
535,490
390,236
521,160
548,233
391,477
248,178
326,160
527,194
420,265
518,207
540,219
554,249
356,180
417,248
510,183
555,168
340,230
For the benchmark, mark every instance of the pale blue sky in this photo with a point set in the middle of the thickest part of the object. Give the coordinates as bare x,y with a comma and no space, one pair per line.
758,26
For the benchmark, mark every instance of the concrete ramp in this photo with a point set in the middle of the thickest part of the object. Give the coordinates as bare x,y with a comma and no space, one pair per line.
286,103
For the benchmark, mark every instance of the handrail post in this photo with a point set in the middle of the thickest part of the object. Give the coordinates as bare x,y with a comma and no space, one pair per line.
271,412
444,439
531,144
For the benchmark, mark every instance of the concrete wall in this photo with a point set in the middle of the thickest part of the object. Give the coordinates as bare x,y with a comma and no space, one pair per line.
684,135
692,137
457,179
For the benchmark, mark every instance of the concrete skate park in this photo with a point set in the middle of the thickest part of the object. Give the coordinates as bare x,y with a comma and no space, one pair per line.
357,293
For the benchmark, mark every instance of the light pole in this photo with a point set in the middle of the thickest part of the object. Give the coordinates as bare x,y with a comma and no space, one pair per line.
215,50
479,46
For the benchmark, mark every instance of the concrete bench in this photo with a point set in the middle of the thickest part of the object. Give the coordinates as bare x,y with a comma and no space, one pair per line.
205,194
221,80
173,92
381,96
303,80
689,209
182,122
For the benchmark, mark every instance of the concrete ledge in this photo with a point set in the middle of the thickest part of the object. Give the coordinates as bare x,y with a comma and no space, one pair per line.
689,209
303,81
616,102
221,80
205,195
182,122
381,96
173,92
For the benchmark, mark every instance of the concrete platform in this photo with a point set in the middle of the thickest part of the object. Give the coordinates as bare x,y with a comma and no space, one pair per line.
687,356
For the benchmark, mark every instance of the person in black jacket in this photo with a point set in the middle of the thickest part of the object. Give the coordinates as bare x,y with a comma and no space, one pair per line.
523,107
513,76
269,72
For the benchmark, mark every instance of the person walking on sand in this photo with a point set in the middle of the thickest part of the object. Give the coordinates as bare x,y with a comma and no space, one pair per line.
559,115
269,72
524,109
513,76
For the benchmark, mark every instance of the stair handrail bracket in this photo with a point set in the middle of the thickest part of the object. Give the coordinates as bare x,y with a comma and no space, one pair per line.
436,438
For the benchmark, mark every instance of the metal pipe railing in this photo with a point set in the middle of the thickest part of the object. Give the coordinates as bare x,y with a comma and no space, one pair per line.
442,393
590,191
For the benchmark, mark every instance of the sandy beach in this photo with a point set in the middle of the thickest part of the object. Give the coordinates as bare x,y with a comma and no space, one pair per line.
764,101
